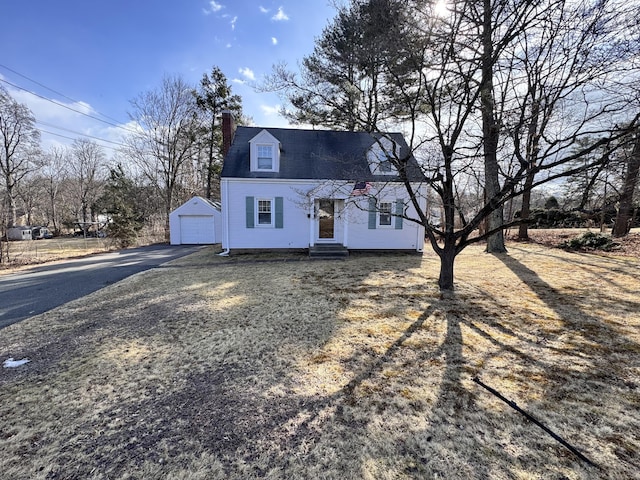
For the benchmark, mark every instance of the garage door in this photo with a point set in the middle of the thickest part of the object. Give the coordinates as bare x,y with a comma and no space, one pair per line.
197,229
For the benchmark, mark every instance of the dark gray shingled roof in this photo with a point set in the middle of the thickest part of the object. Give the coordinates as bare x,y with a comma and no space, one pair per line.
315,155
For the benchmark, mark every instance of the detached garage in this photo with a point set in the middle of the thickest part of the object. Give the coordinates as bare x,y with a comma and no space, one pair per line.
196,222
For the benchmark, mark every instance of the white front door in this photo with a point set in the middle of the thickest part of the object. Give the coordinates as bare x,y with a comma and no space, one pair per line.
328,214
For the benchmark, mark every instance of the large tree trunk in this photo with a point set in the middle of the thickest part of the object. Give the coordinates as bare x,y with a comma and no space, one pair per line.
12,215
490,133
525,211
13,212
624,217
447,259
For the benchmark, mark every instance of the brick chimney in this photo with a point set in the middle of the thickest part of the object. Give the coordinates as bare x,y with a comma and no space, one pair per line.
228,130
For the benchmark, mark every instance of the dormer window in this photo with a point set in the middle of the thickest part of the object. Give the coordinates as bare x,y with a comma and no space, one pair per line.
379,157
265,153
265,157
385,166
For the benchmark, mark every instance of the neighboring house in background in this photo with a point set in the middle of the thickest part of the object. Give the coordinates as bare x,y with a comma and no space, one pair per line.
19,233
297,189
196,222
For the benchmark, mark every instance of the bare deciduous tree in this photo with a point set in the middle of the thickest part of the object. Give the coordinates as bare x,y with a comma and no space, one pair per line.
510,91
85,167
624,216
167,121
19,152
54,172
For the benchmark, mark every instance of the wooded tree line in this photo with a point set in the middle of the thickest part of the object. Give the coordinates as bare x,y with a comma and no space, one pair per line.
498,97
170,152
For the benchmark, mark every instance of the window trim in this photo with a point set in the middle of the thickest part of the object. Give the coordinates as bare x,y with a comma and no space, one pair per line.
378,155
381,212
257,222
264,139
396,212
270,146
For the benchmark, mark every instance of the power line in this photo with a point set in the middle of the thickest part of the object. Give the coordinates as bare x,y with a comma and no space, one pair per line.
67,107
71,138
79,133
53,91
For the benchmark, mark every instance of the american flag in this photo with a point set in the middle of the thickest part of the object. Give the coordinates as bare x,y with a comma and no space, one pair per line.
361,188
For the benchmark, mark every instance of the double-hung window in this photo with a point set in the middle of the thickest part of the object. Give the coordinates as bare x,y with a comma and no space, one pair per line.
265,157
385,165
264,153
264,212
384,214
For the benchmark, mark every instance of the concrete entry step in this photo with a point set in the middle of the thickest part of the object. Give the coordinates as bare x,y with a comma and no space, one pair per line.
328,250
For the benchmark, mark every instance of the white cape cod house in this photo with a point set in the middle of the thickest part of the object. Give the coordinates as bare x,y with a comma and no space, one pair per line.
298,189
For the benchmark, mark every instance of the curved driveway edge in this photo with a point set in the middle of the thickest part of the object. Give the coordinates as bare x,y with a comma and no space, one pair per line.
41,288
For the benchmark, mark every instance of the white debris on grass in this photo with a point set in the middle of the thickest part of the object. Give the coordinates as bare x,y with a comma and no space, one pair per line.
11,363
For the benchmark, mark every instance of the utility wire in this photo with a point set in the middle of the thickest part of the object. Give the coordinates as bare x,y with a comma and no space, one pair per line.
72,138
67,107
54,91
78,133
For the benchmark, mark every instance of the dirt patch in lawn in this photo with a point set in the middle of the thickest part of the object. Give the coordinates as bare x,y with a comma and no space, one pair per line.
262,368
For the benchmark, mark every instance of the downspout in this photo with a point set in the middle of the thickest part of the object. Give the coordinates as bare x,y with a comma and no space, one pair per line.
228,132
345,223
224,186
312,221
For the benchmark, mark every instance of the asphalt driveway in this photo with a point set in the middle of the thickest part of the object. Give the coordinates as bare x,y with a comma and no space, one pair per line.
39,289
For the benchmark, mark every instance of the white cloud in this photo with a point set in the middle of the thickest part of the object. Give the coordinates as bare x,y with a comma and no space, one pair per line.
274,40
270,110
264,10
280,16
247,73
61,121
239,81
214,7
233,22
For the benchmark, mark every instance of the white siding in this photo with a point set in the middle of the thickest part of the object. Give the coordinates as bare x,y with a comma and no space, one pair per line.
409,237
196,222
298,223
295,231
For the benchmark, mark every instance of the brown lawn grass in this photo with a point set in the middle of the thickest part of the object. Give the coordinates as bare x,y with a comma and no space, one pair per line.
41,251
26,253
252,367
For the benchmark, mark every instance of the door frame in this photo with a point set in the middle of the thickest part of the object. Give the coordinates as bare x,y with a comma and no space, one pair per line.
338,227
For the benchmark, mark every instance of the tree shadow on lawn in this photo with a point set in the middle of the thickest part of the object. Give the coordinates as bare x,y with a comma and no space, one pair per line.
589,262
599,373
479,437
411,411
153,416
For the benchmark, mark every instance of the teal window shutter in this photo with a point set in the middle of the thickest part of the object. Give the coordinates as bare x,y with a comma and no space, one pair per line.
372,214
250,212
399,212
279,213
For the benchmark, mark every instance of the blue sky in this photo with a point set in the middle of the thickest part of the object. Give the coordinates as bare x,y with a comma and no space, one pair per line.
103,54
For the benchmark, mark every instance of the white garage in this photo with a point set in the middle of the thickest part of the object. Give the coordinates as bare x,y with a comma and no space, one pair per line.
196,222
